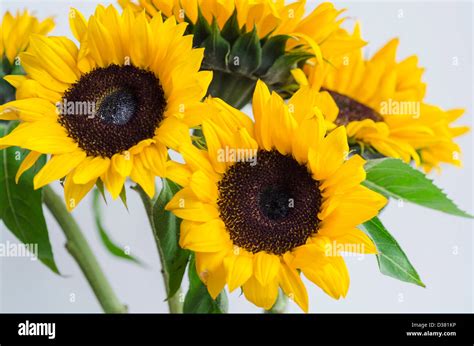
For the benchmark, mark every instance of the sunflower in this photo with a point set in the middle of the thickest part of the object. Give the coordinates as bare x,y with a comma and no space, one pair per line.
16,31
381,104
269,16
246,40
15,35
108,109
272,199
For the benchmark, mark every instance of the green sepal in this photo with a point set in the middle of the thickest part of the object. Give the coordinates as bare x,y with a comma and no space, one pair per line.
231,31
217,49
280,71
272,49
100,186
201,30
246,54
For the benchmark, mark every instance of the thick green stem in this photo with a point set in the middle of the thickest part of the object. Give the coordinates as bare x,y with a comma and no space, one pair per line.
175,303
80,250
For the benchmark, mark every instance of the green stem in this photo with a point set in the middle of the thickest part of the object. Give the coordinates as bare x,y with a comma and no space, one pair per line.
175,303
80,250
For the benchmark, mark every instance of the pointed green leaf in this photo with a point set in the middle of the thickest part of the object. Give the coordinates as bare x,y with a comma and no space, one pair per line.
273,48
246,53
394,178
216,50
231,31
166,229
20,205
198,299
391,258
110,245
280,71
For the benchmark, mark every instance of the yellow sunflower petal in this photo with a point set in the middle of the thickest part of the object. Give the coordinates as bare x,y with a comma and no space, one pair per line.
27,163
45,137
210,236
58,167
266,267
239,269
328,272
74,193
90,169
113,181
178,172
261,97
122,163
293,286
143,177
186,205
262,296
330,154
216,281
203,187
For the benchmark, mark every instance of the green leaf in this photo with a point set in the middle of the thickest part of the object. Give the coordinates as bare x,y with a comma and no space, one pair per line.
391,258
216,49
166,229
280,71
198,299
273,48
109,244
20,205
201,30
246,53
231,31
394,178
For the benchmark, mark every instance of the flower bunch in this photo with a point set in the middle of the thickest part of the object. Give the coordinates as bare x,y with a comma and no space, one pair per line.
258,200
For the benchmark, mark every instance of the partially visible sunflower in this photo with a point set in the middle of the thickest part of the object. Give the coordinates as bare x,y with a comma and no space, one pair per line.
15,35
110,108
269,17
273,198
261,34
381,105
16,31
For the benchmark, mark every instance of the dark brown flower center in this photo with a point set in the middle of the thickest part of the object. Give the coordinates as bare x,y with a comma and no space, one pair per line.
109,110
270,206
351,110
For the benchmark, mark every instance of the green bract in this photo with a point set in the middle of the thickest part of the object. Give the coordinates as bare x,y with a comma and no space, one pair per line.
238,58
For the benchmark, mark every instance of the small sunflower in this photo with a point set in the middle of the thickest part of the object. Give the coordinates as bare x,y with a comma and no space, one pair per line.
15,35
270,199
16,31
109,109
381,105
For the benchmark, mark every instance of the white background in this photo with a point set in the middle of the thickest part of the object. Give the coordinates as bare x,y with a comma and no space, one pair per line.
439,246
